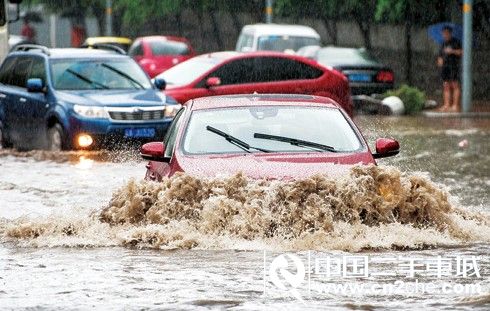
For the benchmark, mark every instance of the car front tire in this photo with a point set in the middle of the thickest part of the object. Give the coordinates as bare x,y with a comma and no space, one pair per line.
55,137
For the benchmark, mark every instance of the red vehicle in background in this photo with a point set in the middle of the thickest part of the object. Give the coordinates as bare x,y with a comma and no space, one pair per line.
156,54
264,136
226,73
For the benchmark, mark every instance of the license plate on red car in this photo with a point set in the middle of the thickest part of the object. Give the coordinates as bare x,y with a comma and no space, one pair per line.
139,132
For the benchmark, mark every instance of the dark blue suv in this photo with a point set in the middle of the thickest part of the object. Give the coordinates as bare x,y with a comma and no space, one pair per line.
78,99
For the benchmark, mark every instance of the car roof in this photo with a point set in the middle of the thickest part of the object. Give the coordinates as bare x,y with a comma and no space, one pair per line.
166,38
60,53
120,40
281,30
222,56
247,100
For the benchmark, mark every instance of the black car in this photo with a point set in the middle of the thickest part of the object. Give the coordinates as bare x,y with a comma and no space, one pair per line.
366,74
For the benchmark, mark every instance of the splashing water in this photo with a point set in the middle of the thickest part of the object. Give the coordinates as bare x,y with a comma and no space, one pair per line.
371,208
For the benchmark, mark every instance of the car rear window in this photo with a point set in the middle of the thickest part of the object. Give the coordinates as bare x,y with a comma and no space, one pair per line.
333,56
168,48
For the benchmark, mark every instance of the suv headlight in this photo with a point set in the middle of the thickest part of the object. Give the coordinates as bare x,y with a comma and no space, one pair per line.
91,111
171,110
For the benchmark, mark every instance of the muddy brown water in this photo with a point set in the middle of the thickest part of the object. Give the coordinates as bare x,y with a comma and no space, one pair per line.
82,230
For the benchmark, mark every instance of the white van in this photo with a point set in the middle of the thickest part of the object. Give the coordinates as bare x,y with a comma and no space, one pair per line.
276,37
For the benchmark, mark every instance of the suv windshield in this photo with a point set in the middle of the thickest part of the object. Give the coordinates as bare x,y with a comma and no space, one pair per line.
188,71
87,74
283,43
311,126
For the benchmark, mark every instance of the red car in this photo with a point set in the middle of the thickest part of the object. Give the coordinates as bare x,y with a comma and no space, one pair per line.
226,73
156,54
263,136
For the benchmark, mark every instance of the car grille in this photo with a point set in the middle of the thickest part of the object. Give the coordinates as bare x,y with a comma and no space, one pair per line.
141,115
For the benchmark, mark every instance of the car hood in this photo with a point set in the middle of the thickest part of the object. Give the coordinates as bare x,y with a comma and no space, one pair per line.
274,166
119,98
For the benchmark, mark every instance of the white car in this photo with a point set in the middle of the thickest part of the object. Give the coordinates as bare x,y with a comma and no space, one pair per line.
276,37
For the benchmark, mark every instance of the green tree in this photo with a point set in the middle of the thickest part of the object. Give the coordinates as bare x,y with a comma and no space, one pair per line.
410,13
330,11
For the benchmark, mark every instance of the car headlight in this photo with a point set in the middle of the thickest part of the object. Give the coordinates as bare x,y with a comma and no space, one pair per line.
171,110
91,111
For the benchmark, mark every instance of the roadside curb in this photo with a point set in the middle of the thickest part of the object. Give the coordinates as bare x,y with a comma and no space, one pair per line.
435,114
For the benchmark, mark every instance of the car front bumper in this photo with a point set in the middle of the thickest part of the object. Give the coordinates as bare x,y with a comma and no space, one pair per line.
111,133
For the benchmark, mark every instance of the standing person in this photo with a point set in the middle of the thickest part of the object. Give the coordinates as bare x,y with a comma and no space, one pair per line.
448,60
28,31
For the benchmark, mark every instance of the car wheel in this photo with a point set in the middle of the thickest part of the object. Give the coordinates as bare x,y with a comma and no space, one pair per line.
4,143
55,138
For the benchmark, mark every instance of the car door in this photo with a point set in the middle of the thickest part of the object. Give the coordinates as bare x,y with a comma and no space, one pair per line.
17,107
37,103
6,94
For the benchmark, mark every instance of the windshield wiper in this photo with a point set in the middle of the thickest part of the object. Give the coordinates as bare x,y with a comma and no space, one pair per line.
235,141
85,79
296,142
119,72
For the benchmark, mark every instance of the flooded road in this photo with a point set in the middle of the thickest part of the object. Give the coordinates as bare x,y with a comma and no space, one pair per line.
81,230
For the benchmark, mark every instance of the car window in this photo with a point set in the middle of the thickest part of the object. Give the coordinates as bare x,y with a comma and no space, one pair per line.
3,19
236,72
38,69
136,49
283,43
171,135
21,71
162,47
322,125
6,70
244,41
267,69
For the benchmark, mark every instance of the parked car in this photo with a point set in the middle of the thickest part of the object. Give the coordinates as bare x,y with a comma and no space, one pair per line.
276,37
225,73
263,136
366,74
77,98
122,42
155,54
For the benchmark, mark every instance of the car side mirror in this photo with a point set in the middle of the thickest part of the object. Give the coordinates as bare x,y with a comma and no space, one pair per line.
386,147
154,151
160,83
213,81
35,85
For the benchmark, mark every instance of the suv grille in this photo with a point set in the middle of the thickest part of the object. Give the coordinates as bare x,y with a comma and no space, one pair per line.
141,115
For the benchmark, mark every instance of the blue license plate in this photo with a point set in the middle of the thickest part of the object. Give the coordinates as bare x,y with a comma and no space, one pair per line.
139,132
360,78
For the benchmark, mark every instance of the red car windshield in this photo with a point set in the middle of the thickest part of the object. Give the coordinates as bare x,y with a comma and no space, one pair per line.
188,71
319,125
